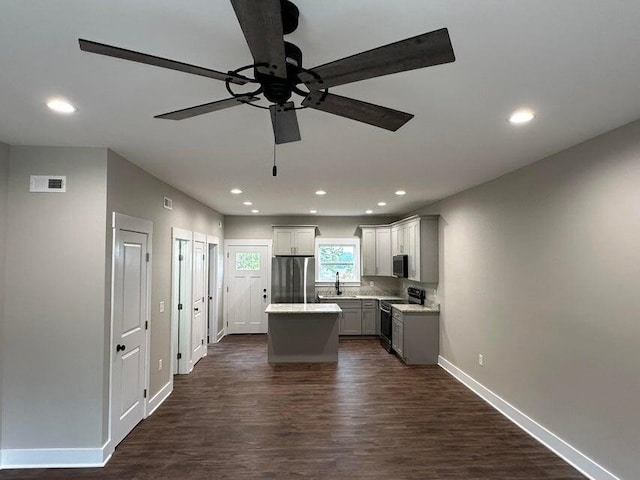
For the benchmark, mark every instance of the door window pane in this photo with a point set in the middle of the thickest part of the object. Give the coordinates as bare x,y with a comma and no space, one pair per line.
247,261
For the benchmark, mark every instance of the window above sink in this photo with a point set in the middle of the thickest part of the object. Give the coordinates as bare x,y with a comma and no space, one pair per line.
340,255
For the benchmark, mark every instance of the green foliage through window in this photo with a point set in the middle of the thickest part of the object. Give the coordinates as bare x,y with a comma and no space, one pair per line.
337,259
247,261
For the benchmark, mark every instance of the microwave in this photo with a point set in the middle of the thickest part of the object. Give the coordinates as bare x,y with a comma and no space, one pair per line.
401,266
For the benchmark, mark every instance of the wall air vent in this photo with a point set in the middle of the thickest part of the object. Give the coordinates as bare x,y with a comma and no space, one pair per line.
48,183
168,203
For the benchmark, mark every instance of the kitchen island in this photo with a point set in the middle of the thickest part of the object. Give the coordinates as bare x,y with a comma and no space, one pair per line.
302,332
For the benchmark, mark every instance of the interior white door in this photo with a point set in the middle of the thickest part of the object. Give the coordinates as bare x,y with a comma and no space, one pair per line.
198,348
247,293
129,336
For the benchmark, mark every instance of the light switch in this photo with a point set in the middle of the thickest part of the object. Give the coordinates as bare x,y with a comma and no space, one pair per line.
161,307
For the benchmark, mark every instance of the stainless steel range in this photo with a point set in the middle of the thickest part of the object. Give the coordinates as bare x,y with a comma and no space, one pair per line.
415,296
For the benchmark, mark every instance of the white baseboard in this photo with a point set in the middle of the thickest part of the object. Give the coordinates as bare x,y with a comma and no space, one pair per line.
571,455
55,457
159,397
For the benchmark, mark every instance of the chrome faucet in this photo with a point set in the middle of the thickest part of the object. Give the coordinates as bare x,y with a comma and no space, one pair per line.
338,291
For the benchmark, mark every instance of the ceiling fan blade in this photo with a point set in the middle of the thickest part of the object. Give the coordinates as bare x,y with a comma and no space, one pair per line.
358,110
207,108
285,123
433,48
261,23
124,54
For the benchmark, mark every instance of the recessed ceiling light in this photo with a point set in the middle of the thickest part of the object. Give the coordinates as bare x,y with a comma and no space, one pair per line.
401,192
61,106
236,191
320,192
520,117
247,203
382,204
369,212
313,211
255,211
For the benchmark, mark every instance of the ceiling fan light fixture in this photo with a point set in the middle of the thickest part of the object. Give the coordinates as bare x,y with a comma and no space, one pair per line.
59,105
520,117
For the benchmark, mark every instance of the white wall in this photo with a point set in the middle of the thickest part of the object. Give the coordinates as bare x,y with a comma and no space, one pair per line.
52,337
4,186
540,273
134,192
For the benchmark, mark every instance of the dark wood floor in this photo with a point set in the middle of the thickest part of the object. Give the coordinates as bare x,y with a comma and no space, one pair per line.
369,417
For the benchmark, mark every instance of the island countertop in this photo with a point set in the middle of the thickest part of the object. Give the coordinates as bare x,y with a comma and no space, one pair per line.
311,308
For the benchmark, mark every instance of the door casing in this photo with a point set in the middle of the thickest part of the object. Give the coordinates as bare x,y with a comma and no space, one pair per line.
245,243
133,224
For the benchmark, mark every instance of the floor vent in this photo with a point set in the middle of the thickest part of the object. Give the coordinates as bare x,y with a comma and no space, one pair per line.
48,183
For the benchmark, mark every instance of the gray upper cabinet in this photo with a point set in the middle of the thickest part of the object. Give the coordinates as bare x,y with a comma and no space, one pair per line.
376,251
294,240
368,249
383,251
417,238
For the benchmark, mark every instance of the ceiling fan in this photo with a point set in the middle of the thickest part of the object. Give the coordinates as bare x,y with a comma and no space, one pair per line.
277,70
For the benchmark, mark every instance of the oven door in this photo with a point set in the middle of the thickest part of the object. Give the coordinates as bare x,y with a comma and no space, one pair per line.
385,323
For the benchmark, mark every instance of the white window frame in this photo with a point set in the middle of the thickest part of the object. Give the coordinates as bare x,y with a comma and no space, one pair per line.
352,241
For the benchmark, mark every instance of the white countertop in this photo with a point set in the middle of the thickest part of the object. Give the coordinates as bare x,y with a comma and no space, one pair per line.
310,308
414,308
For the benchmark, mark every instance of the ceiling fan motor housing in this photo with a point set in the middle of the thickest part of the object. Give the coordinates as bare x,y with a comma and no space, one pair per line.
278,90
290,15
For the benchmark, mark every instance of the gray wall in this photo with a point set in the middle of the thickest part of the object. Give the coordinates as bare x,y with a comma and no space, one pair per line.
257,227
53,331
4,186
539,273
134,192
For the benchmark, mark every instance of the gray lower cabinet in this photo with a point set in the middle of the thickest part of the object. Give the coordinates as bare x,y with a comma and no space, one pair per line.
351,322
359,317
369,317
415,337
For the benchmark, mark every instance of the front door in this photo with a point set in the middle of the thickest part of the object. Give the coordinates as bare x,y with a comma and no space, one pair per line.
247,288
198,347
130,312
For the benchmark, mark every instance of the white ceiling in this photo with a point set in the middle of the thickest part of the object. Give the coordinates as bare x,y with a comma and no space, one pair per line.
575,62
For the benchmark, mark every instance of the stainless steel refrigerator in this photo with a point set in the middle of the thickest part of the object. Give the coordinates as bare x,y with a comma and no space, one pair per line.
293,280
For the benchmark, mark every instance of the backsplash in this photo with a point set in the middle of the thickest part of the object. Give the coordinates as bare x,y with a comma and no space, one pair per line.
385,286
431,290
381,286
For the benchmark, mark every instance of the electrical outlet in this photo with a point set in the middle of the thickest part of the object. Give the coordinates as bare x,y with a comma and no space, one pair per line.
161,307
481,360
160,364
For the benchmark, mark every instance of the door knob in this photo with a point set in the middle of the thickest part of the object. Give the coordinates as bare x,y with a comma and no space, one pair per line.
120,348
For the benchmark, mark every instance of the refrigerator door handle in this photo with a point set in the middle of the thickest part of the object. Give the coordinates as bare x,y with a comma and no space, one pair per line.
306,266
